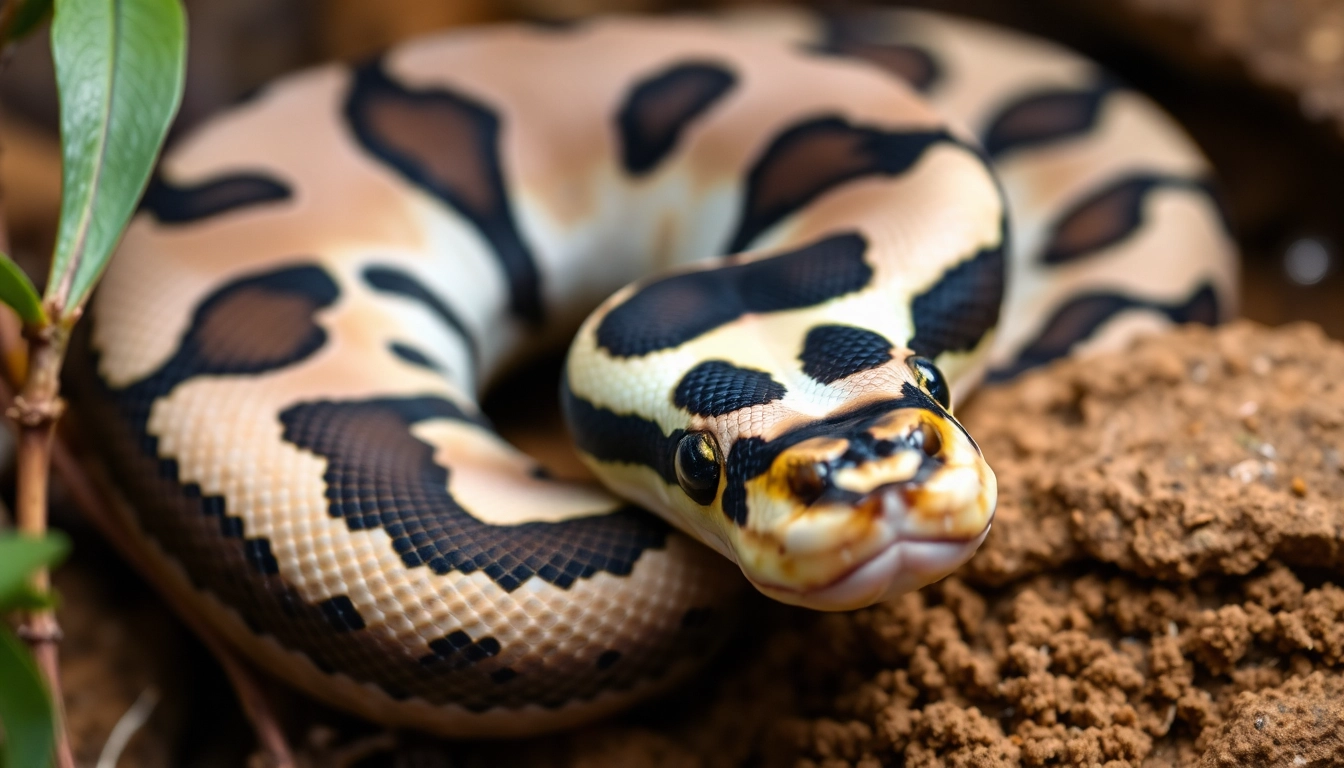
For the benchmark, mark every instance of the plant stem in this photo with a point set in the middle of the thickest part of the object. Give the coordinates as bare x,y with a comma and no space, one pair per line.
36,410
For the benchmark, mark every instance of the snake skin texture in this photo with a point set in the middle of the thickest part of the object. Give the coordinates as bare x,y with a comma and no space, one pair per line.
779,246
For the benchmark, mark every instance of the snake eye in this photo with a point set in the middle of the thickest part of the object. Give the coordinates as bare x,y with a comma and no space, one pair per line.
697,465
931,379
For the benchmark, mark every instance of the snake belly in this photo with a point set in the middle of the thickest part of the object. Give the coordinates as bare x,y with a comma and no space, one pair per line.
795,231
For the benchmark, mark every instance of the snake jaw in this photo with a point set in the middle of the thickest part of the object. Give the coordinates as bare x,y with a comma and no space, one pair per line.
905,502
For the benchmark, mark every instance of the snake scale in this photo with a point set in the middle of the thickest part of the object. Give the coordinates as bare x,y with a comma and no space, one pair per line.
778,247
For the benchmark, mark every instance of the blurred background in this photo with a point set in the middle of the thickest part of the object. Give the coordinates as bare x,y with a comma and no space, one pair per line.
1258,83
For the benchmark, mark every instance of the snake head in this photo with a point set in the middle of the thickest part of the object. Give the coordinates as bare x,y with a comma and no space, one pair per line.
876,493
889,498
873,500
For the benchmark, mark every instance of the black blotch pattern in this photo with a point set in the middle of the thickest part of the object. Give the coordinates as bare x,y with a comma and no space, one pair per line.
229,527
627,439
833,352
401,283
659,109
1108,215
195,357
1045,117
676,309
187,203
752,456
910,63
413,356
470,130
1077,320
379,475
341,613
460,650
503,675
850,35
607,659
258,552
716,387
956,312
816,156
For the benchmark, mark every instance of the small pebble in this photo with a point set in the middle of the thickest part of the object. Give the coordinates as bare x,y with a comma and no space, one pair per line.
1246,471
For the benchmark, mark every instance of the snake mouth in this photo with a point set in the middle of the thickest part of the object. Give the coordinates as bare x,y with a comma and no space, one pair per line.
902,566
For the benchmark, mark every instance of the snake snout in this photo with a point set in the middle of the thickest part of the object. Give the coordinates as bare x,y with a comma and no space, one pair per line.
899,500
950,495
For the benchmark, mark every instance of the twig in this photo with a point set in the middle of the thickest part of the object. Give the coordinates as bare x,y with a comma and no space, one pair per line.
345,756
270,737
35,410
130,723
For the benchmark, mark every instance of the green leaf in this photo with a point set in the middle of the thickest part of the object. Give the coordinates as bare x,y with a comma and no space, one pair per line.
29,599
119,69
17,291
20,555
25,708
24,15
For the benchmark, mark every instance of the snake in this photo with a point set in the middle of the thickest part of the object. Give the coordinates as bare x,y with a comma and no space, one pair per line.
774,248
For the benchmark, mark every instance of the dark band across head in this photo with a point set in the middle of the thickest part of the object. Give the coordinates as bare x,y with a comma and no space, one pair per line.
672,311
716,387
833,352
956,312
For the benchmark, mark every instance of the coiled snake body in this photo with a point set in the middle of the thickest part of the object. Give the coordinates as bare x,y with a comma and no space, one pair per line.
285,356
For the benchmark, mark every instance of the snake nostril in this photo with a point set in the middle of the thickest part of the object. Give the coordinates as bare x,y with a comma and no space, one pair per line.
928,440
808,481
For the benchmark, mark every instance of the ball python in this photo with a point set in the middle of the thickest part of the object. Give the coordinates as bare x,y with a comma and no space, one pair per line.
778,245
